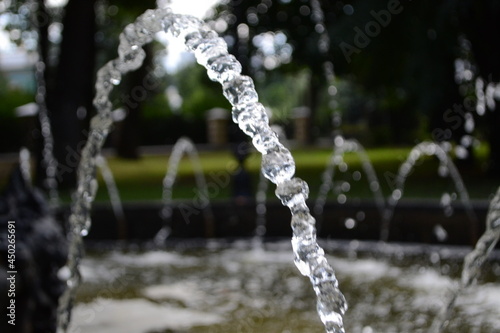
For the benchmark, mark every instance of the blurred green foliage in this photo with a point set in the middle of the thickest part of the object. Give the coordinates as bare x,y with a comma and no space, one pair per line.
13,130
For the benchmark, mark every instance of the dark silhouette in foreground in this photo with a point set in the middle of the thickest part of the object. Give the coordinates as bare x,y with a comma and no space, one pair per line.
40,251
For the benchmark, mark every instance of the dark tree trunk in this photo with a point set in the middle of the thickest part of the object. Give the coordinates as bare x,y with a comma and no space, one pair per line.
493,137
240,48
71,98
142,85
127,143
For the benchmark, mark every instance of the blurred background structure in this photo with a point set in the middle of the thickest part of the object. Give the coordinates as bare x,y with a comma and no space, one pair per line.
389,74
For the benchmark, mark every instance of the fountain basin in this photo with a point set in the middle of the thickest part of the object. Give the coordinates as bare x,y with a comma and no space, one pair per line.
419,221
220,286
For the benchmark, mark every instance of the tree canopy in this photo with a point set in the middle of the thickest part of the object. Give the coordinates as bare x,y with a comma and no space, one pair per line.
401,54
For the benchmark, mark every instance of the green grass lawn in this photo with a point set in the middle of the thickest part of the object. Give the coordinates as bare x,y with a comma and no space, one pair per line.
142,179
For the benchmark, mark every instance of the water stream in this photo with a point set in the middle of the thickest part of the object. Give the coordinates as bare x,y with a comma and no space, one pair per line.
262,187
277,163
343,146
48,160
114,195
446,168
473,262
25,165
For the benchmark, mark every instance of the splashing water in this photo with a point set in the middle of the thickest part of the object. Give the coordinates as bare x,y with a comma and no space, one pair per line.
343,146
181,147
49,161
473,261
114,194
447,167
25,164
277,163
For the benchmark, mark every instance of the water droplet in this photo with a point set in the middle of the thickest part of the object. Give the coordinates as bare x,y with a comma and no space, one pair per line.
251,118
466,141
396,194
443,170
265,140
322,274
445,199
166,212
223,69
367,329
469,123
341,199
133,58
278,165
292,191
448,211
209,48
339,141
440,233
260,230
332,90
360,216
446,146
345,187
64,273
349,223
461,152
115,81
343,167
415,155
435,257
374,186
304,249
430,149
240,90
356,175
337,160
180,26
303,228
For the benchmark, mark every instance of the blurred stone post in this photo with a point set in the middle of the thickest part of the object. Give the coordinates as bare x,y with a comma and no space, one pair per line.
217,119
301,117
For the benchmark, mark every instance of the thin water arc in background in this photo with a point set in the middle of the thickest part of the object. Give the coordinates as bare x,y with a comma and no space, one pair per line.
183,146
114,195
473,262
430,149
48,159
343,146
277,163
